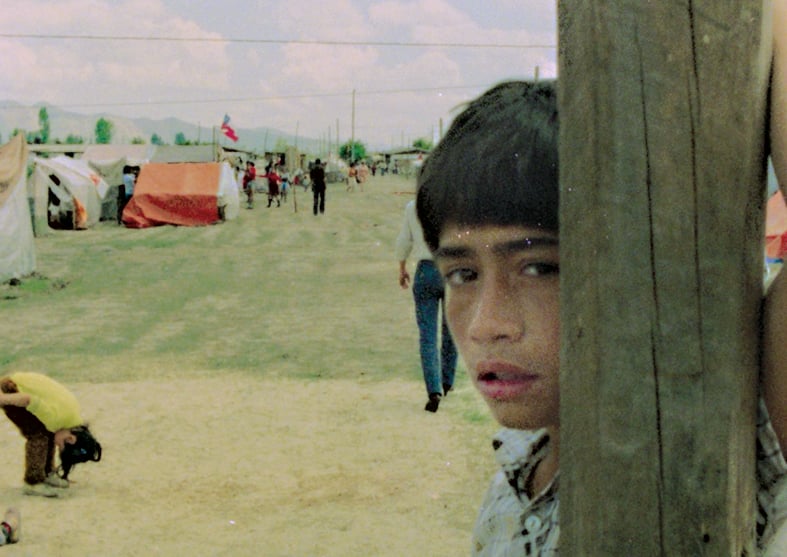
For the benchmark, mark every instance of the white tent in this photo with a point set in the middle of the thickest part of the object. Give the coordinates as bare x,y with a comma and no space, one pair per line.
17,247
70,189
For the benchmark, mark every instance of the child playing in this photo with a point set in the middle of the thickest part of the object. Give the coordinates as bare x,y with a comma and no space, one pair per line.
248,183
273,186
496,245
285,184
48,416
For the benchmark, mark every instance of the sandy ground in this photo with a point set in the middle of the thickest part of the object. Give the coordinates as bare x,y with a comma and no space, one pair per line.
222,435
236,466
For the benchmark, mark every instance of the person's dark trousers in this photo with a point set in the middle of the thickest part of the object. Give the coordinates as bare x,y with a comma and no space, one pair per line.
319,201
429,294
121,203
40,443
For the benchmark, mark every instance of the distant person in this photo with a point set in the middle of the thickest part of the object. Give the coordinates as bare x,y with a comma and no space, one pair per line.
11,527
285,184
274,181
305,181
429,295
362,174
248,183
126,191
48,416
352,177
317,177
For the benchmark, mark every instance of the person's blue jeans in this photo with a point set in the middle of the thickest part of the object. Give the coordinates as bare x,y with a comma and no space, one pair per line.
429,294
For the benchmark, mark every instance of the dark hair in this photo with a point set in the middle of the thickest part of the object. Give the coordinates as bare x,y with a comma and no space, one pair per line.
84,449
497,164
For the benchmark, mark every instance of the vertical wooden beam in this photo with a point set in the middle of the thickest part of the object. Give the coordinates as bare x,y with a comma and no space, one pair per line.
662,108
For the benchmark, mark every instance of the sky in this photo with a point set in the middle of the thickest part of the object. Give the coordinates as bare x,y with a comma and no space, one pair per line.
275,63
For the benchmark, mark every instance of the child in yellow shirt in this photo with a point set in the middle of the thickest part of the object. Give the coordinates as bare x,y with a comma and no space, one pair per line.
48,416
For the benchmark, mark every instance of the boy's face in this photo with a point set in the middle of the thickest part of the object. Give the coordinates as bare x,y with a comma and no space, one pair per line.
502,307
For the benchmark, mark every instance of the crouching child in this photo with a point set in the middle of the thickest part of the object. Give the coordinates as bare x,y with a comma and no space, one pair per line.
48,416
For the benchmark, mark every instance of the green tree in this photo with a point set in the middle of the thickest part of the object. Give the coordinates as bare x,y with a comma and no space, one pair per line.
103,131
137,141
155,139
180,139
43,124
72,139
352,151
423,143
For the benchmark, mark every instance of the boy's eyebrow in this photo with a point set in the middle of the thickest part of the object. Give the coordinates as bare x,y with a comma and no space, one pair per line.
503,248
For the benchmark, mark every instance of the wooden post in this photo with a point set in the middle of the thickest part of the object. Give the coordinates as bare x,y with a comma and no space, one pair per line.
662,168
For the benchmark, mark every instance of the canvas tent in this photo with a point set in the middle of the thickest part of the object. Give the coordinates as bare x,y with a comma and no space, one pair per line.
185,194
112,173
67,193
776,227
17,247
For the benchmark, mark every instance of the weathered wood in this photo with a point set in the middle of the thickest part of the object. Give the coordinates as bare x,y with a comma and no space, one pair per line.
662,108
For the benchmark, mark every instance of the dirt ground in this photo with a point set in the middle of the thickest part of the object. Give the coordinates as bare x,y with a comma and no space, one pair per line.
237,466
281,420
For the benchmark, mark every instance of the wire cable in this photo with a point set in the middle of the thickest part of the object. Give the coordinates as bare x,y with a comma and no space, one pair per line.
272,41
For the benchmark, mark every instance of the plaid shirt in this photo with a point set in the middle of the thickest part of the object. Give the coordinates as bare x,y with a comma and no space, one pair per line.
510,524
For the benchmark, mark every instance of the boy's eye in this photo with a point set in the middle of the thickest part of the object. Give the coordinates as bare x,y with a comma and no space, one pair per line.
540,269
457,277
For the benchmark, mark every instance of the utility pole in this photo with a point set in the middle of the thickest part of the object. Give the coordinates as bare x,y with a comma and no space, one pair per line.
352,133
662,165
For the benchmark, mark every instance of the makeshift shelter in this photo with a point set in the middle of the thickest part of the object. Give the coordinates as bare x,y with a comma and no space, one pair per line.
184,153
67,194
185,194
112,173
776,227
17,247
134,155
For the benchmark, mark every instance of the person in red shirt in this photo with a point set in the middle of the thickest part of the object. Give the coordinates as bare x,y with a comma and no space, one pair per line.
273,186
248,178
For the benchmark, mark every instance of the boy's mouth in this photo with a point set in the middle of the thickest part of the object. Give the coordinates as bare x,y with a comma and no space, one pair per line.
501,380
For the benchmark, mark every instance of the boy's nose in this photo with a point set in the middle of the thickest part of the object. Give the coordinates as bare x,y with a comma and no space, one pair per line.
496,315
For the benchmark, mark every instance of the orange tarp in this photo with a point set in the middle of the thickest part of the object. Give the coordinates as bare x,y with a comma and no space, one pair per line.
185,194
776,227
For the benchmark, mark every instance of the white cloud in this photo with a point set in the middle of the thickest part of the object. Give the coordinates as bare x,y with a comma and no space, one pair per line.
265,76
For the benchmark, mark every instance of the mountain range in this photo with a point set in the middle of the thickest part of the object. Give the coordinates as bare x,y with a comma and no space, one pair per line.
62,123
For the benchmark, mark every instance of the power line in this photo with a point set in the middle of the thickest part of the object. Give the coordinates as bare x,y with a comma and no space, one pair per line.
272,41
252,99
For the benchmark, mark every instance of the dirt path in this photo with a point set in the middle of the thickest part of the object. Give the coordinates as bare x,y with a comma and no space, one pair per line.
237,466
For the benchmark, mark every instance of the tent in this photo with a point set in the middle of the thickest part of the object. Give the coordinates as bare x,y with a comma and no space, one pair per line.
17,247
776,227
68,191
186,194
112,173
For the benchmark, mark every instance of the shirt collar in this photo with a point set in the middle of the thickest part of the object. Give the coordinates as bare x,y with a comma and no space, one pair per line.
518,452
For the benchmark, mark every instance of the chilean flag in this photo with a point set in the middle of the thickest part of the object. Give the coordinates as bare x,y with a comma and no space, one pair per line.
227,130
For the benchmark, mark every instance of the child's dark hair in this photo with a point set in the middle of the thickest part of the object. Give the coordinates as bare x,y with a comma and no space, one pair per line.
498,163
84,449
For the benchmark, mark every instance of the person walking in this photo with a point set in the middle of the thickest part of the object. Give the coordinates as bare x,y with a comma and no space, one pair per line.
429,295
317,177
